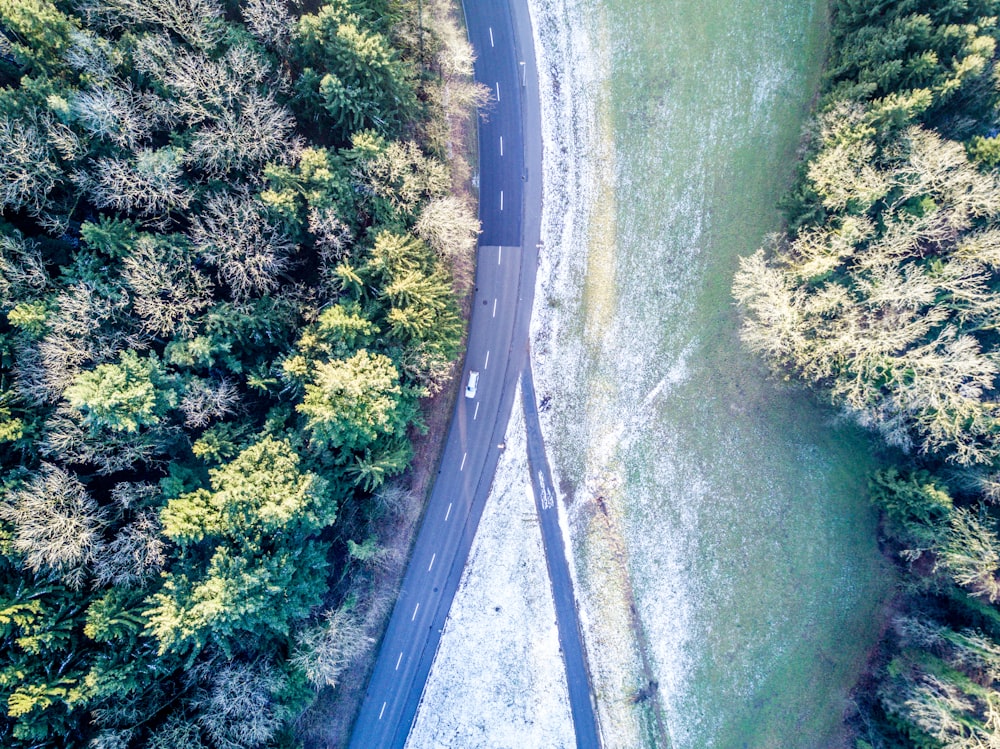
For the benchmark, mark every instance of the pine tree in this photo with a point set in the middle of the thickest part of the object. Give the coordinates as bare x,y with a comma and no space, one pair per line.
123,397
351,402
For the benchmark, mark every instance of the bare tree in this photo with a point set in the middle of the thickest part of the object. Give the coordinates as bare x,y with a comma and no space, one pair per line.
971,554
404,176
843,173
333,236
239,711
204,88
969,651
86,326
449,226
93,55
235,236
326,650
61,358
57,525
136,553
937,708
66,438
197,22
28,169
334,242
117,113
168,291
150,183
428,365
112,738
235,126
128,495
116,738
205,400
177,731
270,22
83,310
22,268
931,165
67,143
242,139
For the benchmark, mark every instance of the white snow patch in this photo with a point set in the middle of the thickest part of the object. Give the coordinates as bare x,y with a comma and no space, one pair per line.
498,679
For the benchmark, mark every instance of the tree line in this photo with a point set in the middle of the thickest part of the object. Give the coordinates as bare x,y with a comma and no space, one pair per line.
226,238
883,294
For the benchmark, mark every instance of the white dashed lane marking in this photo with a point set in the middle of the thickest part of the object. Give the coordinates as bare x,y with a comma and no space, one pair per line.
433,557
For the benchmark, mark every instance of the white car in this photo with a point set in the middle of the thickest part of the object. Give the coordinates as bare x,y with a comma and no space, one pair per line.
470,389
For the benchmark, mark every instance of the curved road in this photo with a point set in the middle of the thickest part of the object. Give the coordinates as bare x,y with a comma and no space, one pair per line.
510,208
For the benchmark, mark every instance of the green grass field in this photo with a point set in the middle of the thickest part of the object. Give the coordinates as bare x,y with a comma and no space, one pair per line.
750,540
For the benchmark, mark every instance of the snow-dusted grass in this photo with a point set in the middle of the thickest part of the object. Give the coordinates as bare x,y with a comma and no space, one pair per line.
732,511
577,295
498,680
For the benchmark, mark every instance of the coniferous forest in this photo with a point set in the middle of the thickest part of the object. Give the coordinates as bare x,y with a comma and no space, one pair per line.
884,296
226,240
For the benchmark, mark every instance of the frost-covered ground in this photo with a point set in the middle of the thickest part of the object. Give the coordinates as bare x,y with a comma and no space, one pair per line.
732,512
498,680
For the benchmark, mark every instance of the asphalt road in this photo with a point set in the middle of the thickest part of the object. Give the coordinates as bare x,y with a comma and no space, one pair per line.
567,621
505,277
510,212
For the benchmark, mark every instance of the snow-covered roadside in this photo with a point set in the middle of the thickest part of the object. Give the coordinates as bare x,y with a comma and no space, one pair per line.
498,679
